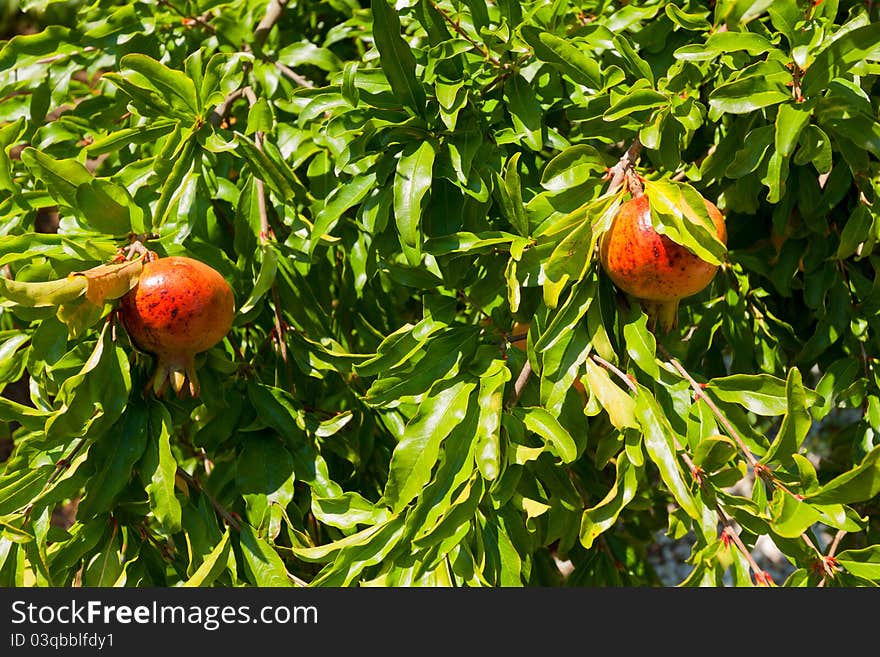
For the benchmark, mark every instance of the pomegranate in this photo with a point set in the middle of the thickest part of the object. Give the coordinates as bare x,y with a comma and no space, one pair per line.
178,308
651,267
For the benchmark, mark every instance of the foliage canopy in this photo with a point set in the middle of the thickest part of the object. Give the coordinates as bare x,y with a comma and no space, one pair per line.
391,188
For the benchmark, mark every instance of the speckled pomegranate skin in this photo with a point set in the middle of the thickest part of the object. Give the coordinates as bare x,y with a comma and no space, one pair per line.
650,266
179,307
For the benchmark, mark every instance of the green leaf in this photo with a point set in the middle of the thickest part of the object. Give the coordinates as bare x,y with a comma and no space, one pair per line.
105,206
172,186
9,134
859,484
160,470
714,452
789,516
695,22
601,517
638,100
763,394
568,315
348,511
525,110
264,282
62,177
679,212
864,562
17,489
632,60
795,425
660,444
43,294
574,166
412,183
490,400
171,84
213,565
20,50
396,55
746,95
791,118
541,422
263,464
570,58
515,210
835,60
278,176
419,446
725,42
339,201
857,230
619,405
112,459
641,345
261,562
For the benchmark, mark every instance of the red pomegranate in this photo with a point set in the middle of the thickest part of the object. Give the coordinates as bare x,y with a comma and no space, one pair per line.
179,308
651,267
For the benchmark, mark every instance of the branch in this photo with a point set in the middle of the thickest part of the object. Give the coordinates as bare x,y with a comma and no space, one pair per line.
273,13
219,508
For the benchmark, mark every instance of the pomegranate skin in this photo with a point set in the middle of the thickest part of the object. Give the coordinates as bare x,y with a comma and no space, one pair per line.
650,266
178,308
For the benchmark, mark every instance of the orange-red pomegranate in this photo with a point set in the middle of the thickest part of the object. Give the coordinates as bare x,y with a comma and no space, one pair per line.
178,308
650,266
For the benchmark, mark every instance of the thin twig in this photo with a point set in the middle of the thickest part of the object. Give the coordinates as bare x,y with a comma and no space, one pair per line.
618,172
219,508
222,109
464,35
701,394
293,75
520,384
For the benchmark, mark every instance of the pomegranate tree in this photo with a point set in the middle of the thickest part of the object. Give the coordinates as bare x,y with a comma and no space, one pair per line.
178,308
650,266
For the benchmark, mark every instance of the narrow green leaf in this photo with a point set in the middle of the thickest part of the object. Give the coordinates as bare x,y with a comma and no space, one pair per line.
213,565
541,422
763,394
161,470
513,186
795,425
62,177
791,118
112,459
568,57
490,401
789,516
105,206
419,446
679,212
396,56
835,60
262,563
856,485
412,183
172,187
173,85
616,402
641,345
602,516
633,61
40,294
525,111
659,443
